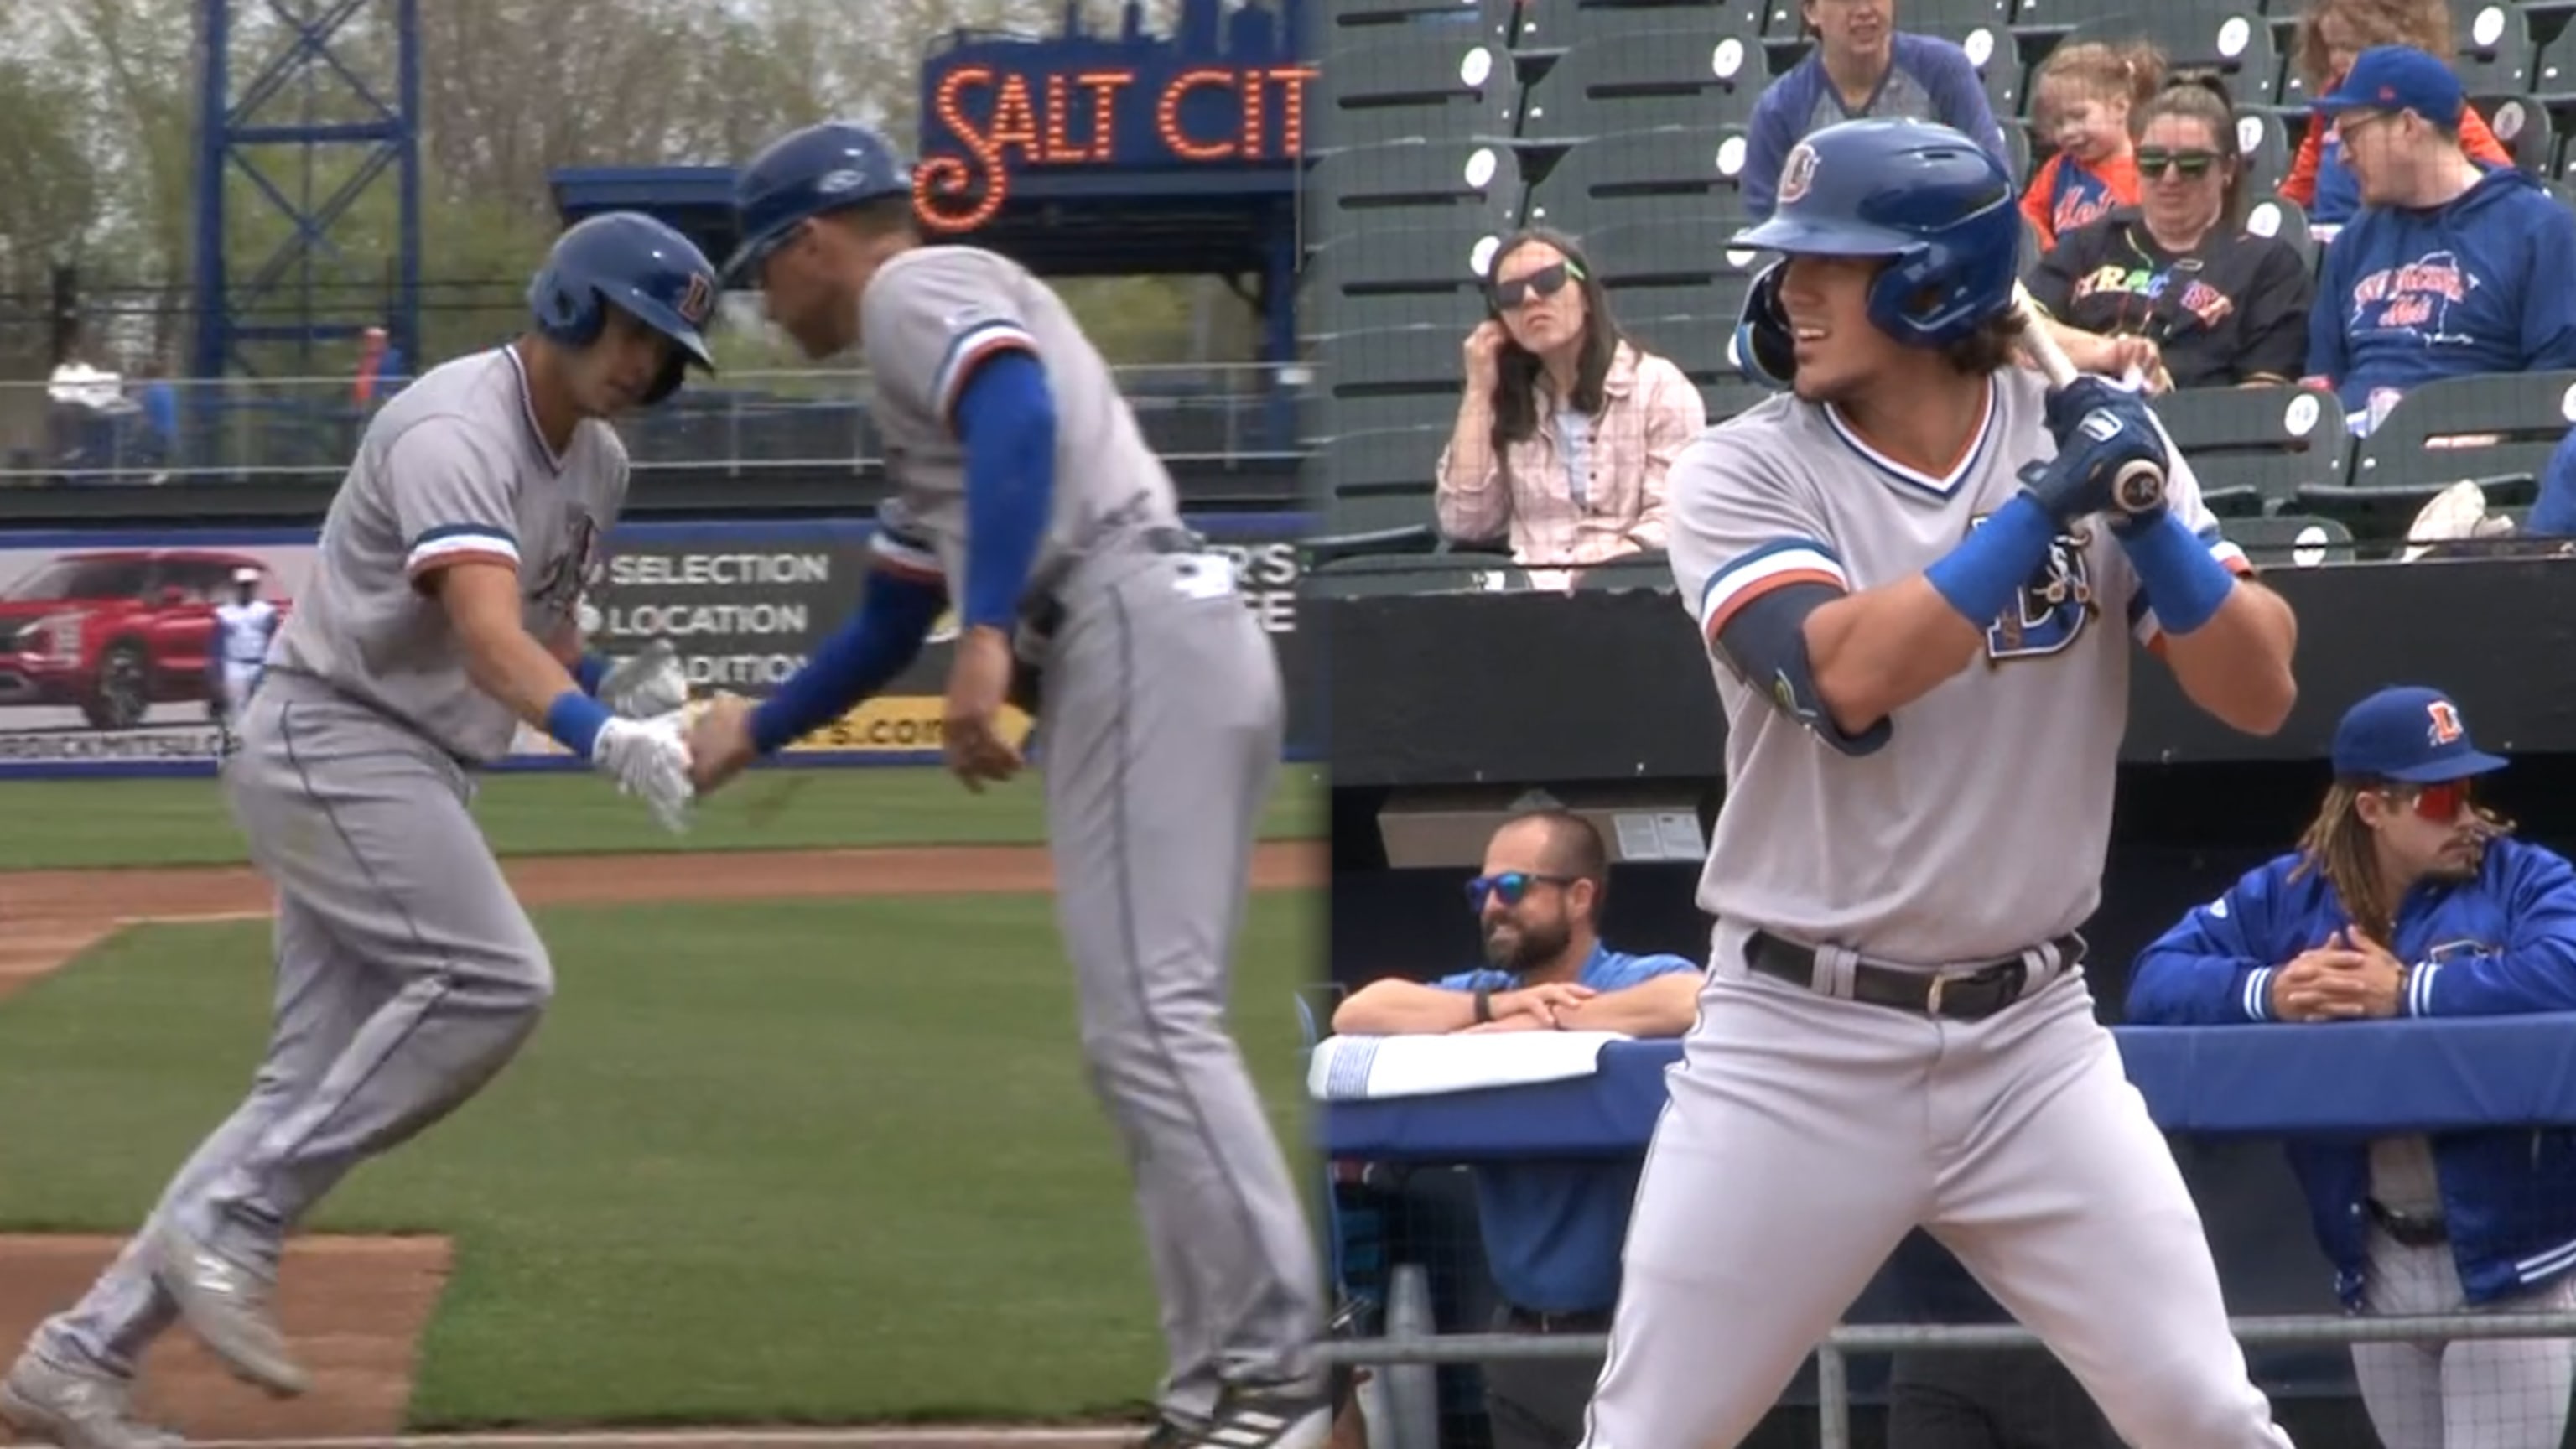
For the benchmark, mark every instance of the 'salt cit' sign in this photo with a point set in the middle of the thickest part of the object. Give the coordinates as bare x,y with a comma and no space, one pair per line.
1102,117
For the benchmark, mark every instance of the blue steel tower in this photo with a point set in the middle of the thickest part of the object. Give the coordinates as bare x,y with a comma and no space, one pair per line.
298,97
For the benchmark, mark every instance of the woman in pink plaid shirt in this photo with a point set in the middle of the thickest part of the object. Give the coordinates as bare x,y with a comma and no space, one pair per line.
1567,427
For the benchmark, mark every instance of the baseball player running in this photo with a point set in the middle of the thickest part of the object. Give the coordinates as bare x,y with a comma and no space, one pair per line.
1025,492
1903,572
439,616
242,630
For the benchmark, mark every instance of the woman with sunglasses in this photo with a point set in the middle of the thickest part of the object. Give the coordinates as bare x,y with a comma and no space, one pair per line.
2407,898
1566,427
2223,307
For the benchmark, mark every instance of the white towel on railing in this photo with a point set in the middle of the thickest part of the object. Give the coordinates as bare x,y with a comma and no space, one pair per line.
1347,1067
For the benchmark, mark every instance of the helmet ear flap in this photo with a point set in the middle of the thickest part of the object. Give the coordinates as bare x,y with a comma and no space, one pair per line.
567,310
1764,349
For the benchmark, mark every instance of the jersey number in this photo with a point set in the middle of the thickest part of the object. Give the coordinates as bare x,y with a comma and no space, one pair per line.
2052,609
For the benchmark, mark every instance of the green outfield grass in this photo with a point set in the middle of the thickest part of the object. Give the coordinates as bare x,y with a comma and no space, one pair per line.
820,1161
78,824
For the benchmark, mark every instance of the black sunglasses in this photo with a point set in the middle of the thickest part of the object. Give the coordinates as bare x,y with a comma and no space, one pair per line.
1547,281
1513,886
2153,160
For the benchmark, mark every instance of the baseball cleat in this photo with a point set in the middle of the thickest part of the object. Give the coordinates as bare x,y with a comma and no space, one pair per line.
226,1305
1249,1419
75,1410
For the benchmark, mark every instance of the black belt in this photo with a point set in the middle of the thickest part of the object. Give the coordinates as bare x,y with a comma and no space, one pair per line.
1970,995
2410,1230
1043,608
1531,1320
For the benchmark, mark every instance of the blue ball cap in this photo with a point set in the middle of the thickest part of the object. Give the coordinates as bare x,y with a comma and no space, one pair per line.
2397,78
2409,733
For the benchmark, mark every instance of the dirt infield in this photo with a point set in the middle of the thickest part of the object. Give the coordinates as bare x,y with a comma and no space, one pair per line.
355,1306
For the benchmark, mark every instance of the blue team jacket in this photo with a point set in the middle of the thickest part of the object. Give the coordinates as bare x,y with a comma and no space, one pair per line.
2501,943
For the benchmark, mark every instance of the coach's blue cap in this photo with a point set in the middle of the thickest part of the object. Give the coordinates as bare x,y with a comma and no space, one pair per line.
2397,78
2411,734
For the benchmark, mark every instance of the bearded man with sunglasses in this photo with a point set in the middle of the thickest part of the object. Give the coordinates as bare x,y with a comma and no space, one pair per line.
1551,1230
2407,898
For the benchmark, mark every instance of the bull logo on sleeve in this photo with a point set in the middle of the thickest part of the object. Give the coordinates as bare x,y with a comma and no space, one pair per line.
2051,610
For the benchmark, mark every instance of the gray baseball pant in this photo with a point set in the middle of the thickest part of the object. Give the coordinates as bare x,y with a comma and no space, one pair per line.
406,976
1163,721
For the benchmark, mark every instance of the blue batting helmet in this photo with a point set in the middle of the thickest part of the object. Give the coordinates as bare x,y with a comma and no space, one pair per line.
641,267
808,172
1939,206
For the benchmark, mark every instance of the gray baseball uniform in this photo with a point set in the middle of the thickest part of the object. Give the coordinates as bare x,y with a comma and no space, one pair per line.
1808,1132
1163,722
407,973
2472,1393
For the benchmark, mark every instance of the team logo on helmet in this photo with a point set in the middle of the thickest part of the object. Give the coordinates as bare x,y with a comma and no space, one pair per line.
696,300
1798,173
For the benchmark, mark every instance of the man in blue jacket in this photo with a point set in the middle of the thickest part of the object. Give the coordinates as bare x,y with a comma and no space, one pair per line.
2407,898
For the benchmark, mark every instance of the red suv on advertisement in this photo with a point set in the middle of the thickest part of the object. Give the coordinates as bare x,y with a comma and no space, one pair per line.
113,632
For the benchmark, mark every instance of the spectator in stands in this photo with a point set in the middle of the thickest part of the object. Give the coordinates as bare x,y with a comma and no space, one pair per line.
2452,266
380,369
2331,34
1567,426
2082,99
1862,65
2553,513
2407,898
2223,307
1552,1230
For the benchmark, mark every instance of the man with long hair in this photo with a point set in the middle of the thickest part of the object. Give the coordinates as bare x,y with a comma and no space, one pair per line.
2409,898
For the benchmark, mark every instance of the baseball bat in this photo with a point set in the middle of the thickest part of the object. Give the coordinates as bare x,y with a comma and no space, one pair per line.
2139,485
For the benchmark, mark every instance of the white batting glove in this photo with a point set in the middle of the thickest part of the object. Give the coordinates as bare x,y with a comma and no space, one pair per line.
648,758
643,685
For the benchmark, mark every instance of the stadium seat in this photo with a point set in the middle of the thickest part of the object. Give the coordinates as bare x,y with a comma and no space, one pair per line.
1679,65
2264,146
2233,39
1671,170
1365,358
1414,172
1666,242
2298,540
2495,429
2252,447
2284,221
1376,15
1384,255
2526,128
1415,84
2493,52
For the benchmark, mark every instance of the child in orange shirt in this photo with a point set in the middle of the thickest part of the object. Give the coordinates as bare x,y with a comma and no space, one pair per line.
2081,99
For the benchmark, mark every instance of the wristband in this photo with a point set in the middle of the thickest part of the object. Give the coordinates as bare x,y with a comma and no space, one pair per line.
574,719
2184,585
1484,1004
1980,577
589,670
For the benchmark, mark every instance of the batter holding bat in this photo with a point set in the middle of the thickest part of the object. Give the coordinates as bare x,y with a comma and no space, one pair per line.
440,615
1912,576
1024,491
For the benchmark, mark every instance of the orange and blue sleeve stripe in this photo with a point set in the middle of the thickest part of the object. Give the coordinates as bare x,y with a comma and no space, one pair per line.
969,350
1777,565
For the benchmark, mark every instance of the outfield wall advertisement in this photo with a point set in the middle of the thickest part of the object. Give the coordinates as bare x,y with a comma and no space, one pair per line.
104,634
